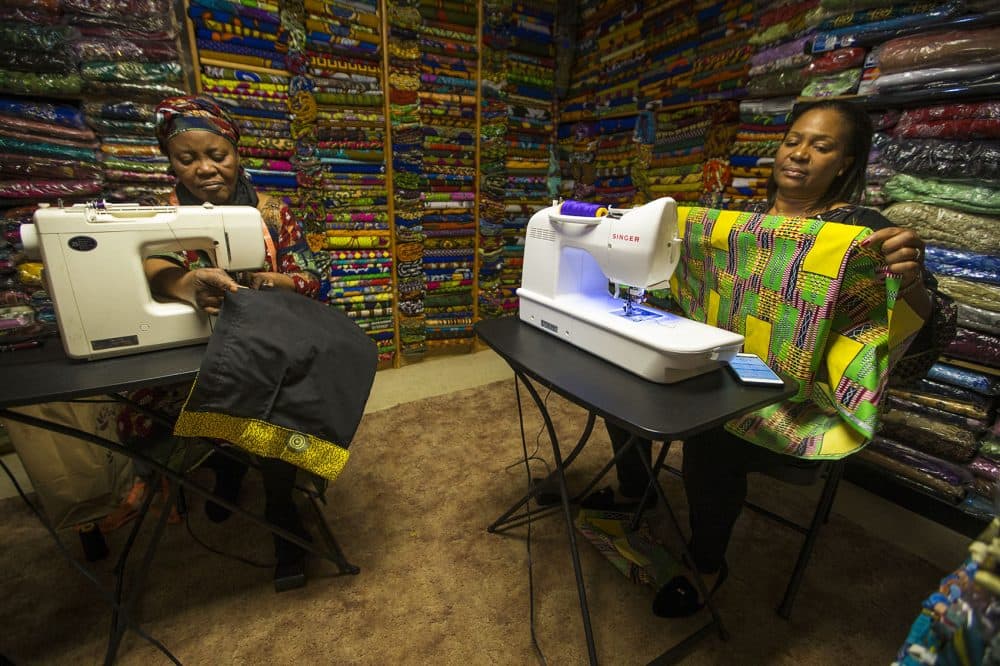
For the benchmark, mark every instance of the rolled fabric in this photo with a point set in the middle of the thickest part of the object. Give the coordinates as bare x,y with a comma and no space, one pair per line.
902,404
962,263
936,76
990,447
985,468
975,346
978,319
970,198
939,48
979,507
946,397
910,475
963,378
929,435
985,488
942,469
936,158
979,294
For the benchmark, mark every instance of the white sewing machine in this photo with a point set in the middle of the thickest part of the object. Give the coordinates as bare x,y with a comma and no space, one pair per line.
93,256
568,261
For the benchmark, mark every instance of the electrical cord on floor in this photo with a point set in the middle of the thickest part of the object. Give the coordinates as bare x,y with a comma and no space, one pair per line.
86,573
527,469
533,456
216,551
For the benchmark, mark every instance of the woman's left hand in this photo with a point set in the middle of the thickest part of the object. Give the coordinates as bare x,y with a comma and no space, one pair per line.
268,280
902,250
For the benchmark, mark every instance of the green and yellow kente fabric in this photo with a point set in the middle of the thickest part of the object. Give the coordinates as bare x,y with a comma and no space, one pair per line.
810,302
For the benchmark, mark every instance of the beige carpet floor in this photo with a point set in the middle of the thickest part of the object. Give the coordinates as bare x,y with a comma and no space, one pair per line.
424,481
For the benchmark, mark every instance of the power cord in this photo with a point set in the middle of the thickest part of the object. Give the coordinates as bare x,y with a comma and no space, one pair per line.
216,551
527,508
86,572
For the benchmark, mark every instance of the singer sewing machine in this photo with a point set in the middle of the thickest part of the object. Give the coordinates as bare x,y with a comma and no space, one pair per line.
93,256
568,261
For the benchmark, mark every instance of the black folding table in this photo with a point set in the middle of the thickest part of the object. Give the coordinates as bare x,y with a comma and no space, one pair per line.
46,374
647,410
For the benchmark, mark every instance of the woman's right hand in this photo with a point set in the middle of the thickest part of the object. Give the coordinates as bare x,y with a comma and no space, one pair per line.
208,286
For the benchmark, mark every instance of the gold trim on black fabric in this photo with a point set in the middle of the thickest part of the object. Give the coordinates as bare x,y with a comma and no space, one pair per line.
266,439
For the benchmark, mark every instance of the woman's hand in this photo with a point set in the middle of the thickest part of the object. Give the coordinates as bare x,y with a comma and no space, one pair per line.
268,280
208,286
902,250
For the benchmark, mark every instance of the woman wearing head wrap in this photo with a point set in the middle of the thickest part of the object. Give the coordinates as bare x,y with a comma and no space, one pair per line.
200,140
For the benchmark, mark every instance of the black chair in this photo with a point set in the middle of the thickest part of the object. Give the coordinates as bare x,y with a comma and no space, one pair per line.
833,471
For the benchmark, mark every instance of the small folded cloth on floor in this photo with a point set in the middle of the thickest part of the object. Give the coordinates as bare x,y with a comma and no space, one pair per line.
634,554
285,377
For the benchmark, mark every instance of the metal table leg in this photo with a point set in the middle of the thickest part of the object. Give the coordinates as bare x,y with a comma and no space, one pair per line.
568,515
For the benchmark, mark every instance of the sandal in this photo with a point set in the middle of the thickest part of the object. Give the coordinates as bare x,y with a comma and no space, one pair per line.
679,598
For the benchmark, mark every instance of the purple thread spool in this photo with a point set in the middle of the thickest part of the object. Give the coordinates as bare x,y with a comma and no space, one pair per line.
582,209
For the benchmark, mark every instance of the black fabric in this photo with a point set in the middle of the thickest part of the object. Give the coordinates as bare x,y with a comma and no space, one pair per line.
244,195
288,360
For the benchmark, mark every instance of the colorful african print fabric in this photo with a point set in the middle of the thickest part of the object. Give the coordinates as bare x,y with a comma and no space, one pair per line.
811,303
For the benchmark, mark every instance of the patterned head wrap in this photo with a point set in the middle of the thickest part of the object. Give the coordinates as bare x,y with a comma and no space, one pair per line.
181,114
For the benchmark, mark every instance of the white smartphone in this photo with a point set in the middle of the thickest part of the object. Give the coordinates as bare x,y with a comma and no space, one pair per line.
750,369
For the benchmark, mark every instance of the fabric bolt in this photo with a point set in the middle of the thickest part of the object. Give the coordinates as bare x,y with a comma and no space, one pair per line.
975,346
923,461
977,294
964,264
954,399
947,373
939,48
938,76
906,406
908,473
931,435
969,198
947,227
978,319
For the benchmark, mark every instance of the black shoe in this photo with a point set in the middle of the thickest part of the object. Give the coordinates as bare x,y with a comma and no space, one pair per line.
290,571
679,597
548,492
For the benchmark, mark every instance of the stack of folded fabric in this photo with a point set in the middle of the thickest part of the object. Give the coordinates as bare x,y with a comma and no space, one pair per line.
242,50
612,40
763,123
940,436
133,166
129,61
716,173
26,311
127,48
938,60
448,66
531,175
677,155
783,33
721,64
37,58
945,170
597,120
407,173
670,32
342,155
47,153
493,156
